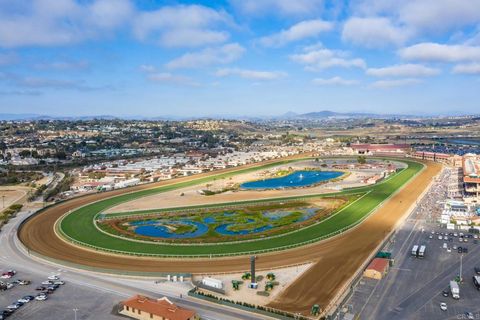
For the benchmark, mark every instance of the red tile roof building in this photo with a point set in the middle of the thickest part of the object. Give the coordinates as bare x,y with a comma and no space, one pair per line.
377,268
144,308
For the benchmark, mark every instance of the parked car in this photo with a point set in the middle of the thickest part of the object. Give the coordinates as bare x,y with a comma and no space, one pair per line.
460,249
59,282
53,277
47,282
465,250
41,297
26,299
477,270
24,282
445,293
469,315
443,306
40,288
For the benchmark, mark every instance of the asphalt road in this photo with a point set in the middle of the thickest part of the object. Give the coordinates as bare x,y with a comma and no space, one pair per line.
102,286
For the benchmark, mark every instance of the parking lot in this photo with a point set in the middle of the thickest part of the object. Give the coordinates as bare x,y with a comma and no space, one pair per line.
60,303
413,287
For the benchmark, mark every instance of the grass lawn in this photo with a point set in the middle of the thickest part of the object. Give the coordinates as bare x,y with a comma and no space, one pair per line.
79,226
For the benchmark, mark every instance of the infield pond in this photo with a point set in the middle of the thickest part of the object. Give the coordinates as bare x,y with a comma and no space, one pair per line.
231,223
295,179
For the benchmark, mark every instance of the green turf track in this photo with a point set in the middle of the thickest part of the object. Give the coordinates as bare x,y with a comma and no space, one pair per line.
79,228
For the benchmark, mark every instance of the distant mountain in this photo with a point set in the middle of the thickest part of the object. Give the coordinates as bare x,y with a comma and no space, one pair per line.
23,116
326,114
319,115
33,116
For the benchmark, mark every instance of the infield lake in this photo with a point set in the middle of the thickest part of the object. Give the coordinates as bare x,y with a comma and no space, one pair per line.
296,179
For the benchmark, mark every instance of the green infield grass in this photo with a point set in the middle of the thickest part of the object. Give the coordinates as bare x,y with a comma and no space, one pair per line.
78,226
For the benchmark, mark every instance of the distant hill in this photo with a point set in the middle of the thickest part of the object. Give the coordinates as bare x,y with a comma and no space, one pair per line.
33,116
326,114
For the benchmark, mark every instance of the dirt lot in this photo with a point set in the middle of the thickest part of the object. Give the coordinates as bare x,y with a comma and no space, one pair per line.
336,259
12,194
191,195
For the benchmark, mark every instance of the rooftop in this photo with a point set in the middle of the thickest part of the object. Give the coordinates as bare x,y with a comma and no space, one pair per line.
161,307
378,264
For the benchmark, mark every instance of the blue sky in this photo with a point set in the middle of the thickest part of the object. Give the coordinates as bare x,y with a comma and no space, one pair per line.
239,57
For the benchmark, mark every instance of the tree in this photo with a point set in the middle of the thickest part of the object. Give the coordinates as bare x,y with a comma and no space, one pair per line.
24,153
361,159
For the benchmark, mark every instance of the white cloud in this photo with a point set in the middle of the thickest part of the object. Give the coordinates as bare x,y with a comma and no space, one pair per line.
403,70
316,59
60,22
429,51
422,16
147,68
299,31
209,56
373,32
385,84
166,77
63,65
64,22
192,38
339,81
8,58
469,68
251,74
434,16
35,82
182,26
279,7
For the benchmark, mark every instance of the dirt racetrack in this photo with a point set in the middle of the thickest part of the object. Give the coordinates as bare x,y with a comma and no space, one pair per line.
337,259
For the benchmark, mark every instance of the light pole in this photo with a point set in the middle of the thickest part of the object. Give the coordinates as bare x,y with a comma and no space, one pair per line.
461,265
75,312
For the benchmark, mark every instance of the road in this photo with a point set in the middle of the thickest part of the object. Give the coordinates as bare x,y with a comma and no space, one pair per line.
13,256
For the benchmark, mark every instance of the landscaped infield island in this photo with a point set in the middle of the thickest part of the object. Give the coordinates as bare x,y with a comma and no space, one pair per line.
304,220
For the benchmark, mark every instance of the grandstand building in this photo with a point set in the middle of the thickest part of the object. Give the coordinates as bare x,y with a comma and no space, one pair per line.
379,149
471,178
433,156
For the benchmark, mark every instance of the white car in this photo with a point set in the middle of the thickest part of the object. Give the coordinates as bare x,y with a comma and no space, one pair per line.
455,234
445,246
443,306
460,239
440,237
47,282
449,250
41,297
53,278
13,307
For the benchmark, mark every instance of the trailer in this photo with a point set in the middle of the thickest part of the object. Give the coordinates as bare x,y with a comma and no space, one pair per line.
421,251
415,250
455,289
476,282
